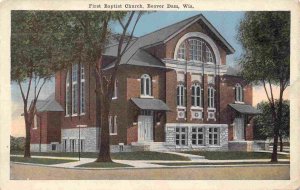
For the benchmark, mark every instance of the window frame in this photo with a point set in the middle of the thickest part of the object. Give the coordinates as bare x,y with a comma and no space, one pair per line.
180,133
113,125
239,94
180,95
115,91
68,95
197,133
211,136
181,53
211,98
75,90
146,86
195,97
82,90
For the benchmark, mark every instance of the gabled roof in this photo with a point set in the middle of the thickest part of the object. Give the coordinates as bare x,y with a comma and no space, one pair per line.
162,36
50,104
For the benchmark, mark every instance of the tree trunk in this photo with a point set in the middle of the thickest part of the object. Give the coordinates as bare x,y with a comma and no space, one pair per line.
28,136
102,114
281,143
274,153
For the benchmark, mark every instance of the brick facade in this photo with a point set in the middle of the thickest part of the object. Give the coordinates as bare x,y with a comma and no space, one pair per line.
164,83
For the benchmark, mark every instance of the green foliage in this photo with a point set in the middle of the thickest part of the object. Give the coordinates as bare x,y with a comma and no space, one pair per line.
263,124
265,37
37,44
17,143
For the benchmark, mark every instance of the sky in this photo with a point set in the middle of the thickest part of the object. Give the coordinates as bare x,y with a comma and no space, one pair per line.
225,22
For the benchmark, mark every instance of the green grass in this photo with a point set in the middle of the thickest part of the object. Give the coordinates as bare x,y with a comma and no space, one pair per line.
223,163
103,165
146,155
46,161
142,155
235,155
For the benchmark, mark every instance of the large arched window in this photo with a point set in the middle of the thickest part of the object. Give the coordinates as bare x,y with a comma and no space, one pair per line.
82,90
211,97
180,95
146,85
68,95
197,49
75,89
238,93
196,95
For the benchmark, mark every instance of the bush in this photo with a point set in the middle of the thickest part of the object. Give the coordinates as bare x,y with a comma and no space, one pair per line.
17,143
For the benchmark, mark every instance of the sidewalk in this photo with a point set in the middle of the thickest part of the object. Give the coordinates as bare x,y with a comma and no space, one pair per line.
147,163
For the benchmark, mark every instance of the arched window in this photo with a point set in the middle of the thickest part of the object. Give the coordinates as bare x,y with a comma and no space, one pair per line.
181,51
75,89
82,90
195,50
196,95
115,92
68,95
238,93
180,95
146,85
211,97
209,55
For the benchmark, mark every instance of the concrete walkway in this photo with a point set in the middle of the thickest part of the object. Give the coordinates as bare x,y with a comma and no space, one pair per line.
147,163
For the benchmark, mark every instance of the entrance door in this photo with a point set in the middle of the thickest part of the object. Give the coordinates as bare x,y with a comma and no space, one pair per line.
238,128
145,128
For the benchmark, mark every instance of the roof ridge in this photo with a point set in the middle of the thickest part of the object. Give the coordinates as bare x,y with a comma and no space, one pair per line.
198,15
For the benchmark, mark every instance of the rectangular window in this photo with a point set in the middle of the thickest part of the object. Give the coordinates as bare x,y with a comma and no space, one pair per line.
198,136
181,136
115,93
72,145
213,136
65,145
113,125
75,89
211,97
74,98
53,147
81,145
35,122
180,95
82,90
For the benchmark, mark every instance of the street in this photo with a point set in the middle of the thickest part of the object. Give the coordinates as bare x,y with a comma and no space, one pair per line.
267,172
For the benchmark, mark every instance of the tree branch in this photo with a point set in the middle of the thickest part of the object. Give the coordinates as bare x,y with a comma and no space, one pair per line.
265,88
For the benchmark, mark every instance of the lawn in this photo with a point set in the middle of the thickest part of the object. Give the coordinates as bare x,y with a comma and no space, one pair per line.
46,161
146,155
142,155
103,165
219,163
234,155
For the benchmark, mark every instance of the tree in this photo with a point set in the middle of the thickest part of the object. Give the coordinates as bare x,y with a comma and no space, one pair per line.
265,37
91,30
35,46
264,123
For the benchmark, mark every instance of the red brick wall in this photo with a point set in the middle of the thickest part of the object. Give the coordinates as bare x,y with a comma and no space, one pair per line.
41,129
132,134
54,130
